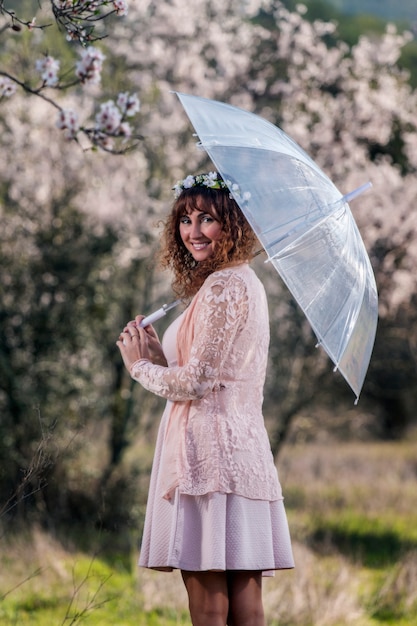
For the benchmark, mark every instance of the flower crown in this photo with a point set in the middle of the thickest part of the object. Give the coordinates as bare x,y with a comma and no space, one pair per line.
211,180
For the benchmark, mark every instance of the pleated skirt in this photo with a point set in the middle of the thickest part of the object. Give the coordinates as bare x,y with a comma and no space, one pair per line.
216,531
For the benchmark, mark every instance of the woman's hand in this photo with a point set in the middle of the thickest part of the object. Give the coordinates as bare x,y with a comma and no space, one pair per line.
157,355
140,343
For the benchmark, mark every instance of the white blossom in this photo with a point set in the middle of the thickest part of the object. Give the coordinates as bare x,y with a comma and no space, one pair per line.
109,117
68,122
120,7
188,182
48,67
7,87
125,130
88,69
129,104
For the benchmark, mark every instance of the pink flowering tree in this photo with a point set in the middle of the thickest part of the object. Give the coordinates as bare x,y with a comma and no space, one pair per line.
81,20
80,228
352,110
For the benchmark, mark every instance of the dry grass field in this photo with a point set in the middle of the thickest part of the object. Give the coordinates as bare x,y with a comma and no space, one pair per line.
352,510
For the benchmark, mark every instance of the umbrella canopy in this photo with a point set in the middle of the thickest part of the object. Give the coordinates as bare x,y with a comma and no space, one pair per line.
303,222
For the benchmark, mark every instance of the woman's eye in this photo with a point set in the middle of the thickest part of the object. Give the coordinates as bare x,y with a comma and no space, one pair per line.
185,220
207,218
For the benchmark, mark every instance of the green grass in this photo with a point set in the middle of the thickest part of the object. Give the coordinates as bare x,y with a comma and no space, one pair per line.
352,511
94,593
357,502
373,541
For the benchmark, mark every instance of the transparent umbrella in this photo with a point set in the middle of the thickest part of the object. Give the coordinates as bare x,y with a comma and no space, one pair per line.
304,224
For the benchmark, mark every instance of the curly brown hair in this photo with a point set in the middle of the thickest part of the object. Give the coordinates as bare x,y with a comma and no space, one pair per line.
236,244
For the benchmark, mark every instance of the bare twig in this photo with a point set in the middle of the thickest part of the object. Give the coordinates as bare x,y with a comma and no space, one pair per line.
34,574
39,463
78,18
74,616
16,23
36,92
98,138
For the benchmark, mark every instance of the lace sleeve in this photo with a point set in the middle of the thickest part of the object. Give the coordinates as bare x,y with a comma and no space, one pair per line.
220,312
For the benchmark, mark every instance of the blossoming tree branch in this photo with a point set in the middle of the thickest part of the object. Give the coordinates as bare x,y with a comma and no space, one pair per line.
112,129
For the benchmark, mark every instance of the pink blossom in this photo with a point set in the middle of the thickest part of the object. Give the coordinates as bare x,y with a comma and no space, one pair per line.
120,7
109,117
48,67
68,122
129,104
88,69
125,130
106,142
7,87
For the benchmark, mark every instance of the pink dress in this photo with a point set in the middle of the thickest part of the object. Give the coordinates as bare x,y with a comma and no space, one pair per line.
226,529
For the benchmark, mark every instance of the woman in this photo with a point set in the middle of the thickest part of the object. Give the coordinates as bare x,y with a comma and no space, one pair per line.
215,508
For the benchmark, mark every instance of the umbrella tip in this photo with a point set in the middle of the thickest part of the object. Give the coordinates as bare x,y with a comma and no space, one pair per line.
357,192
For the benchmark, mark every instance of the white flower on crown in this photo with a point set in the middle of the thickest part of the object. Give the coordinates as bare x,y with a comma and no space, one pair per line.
200,180
211,180
188,182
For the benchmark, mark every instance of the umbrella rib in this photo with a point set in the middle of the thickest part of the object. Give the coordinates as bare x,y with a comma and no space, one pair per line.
309,222
353,318
312,228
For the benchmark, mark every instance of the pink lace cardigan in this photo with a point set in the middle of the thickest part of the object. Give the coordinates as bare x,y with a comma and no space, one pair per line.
216,438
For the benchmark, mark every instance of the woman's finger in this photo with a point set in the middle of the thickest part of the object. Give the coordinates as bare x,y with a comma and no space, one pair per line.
128,336
150,331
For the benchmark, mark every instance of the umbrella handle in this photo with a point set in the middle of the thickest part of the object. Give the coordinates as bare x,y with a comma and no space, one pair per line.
156,315
356,192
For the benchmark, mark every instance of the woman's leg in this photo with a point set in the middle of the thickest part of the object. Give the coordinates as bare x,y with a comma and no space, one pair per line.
245,599
207,597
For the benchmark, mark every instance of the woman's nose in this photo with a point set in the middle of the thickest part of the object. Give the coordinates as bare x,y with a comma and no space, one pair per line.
195,230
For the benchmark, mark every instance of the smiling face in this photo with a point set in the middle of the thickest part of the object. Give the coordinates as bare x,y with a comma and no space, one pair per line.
205,232
198,231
